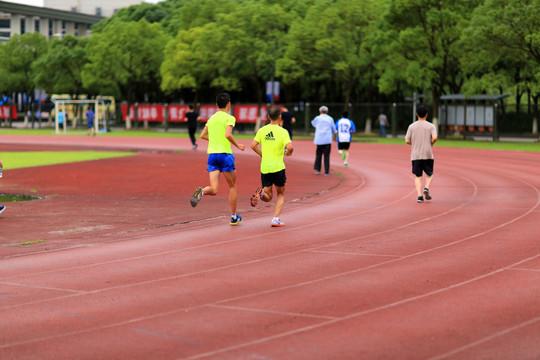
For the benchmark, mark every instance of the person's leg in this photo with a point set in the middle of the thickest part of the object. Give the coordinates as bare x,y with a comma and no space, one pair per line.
267,194
191,131
346,156
318,158
429,179
212,189
280,200
418,185
326,152
233,194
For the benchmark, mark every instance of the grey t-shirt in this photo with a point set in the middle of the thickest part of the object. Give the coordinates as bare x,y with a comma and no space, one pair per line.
420,134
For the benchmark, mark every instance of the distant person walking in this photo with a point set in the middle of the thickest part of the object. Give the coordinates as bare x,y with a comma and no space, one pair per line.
422,135
274,143
288,120
61,122
218,131
90,122
192,117
324,134
383,123
345,127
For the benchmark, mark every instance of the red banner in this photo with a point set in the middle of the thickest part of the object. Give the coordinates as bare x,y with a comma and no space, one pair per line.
7,112
177,113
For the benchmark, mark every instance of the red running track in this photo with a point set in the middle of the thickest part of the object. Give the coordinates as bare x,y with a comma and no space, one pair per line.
360,271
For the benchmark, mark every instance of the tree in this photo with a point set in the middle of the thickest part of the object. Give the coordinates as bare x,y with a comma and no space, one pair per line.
192,60
422,37
512,29
330,49
124,59
59,70
16,59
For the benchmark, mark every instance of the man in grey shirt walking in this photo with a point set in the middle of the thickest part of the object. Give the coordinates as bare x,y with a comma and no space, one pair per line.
422,135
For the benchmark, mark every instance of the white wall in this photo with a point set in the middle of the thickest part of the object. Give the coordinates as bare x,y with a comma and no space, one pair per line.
108,8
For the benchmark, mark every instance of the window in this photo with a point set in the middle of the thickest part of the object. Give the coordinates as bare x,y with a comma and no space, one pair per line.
23,25
74,9
98,11
36,25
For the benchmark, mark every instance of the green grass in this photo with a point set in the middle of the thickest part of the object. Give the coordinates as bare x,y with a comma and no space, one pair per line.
513,146
23,159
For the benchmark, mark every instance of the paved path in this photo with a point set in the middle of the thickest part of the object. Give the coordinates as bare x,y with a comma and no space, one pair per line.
361,271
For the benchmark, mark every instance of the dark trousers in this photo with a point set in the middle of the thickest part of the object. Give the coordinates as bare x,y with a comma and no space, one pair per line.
323,150
191,131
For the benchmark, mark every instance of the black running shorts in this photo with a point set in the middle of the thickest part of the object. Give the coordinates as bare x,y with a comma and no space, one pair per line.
277,178
343,145
419,166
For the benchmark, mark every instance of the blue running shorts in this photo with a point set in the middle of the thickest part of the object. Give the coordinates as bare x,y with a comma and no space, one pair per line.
223,162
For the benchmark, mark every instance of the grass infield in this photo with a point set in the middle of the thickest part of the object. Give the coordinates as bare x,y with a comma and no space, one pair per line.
23,159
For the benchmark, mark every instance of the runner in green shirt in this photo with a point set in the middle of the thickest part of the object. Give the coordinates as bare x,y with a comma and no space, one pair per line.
274,142
218,132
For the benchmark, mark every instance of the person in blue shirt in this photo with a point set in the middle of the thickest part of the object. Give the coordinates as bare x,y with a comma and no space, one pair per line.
345,128
90,121
61,119
324,134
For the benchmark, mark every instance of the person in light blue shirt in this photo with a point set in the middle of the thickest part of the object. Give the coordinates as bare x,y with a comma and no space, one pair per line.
324,134
345,128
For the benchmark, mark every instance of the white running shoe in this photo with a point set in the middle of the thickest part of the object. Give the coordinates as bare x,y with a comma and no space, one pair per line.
277,223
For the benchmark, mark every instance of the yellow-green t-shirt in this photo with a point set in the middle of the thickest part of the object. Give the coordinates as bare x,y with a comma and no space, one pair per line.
273,139
217,124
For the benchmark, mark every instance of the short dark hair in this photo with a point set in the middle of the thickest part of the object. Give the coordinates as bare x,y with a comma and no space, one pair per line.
222,100
274,112
191,106
422,111
345,114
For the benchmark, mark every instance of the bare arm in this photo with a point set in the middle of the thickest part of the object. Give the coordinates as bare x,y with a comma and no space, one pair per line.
232,140
255,147
289,149
204,134
433,139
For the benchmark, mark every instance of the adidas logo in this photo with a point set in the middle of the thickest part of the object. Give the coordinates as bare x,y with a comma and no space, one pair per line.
269,136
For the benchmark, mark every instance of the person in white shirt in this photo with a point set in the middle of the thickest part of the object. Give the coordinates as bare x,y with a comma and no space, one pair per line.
345,128
324,134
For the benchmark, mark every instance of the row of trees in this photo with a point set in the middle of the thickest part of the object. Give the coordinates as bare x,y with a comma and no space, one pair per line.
320,50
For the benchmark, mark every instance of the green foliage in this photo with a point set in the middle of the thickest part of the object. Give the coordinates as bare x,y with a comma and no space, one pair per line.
123,54
331,50
59,70
16,59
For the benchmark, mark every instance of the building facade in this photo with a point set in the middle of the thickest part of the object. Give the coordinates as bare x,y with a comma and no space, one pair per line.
104,8
57,18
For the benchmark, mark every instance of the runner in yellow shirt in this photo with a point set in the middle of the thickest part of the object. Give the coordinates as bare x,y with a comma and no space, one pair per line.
274,142
218,132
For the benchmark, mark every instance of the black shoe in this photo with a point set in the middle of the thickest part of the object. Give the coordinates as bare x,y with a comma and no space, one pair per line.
427,194
420,199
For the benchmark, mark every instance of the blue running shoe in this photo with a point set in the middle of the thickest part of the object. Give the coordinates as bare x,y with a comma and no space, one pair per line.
2,208
235,221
